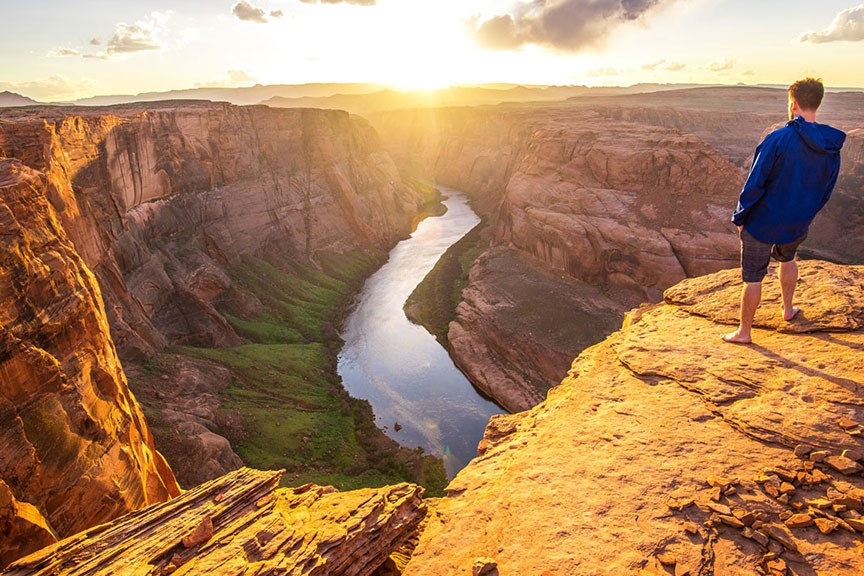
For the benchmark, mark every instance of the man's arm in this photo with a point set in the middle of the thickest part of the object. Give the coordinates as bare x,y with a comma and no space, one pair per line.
754,187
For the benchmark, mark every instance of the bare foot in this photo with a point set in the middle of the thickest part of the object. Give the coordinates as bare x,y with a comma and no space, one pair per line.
789,317
736,338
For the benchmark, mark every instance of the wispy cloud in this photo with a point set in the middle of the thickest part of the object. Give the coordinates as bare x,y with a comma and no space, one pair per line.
848,25
145,35
569,25
238,76
357,2
722,65
63,52
601,72
53,88
664,64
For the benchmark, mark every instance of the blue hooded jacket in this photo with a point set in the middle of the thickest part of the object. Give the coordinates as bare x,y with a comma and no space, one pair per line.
793,174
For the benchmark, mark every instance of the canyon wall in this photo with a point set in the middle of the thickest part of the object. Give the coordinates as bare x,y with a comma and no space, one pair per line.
159,200
619,197
162,201
76,449
132,217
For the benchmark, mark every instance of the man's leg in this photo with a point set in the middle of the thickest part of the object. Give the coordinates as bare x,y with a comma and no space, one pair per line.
751,295
755,256
788,275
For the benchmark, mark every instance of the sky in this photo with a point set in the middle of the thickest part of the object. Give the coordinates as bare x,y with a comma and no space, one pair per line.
53,50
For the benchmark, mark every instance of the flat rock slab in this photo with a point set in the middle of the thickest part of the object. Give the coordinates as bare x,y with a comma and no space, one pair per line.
831,298
242,523
667,451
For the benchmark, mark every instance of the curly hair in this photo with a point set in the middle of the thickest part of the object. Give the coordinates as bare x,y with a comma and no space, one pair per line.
808,93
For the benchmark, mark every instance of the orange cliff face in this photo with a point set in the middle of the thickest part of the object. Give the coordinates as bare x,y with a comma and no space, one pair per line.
160,200
598,205
665,451
76,450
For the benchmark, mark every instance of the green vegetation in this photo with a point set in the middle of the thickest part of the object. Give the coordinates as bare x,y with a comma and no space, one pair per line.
433,303
295,413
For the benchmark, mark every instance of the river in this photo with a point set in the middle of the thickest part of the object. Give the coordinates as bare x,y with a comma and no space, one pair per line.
399,367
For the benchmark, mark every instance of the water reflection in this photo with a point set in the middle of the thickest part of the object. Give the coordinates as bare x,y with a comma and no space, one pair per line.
398,366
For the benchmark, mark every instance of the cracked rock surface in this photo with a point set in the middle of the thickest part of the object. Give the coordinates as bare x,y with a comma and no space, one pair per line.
667,451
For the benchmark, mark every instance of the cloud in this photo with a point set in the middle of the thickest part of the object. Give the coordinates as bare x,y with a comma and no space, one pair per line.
600,72
569,25
249,13
143,36
95,42
63,52
277,13
56,87
848,25
240,76
132,38
664,64
722,65
357,2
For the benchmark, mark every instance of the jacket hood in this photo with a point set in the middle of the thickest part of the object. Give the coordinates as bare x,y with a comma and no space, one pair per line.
819,137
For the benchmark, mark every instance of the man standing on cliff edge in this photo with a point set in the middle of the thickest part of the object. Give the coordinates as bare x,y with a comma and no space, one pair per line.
794,171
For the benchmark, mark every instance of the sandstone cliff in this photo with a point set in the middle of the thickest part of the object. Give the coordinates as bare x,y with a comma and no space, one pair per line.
666,451
623,196
76,450
162,201
159,200
242,524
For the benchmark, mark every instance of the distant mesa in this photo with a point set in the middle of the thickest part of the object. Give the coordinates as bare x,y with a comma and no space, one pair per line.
10,99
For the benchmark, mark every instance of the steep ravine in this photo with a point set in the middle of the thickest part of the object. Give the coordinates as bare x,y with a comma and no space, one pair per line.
226,242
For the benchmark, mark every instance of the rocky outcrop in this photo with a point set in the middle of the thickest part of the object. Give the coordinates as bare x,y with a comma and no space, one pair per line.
666,451
76,450
520,325
243,522
627,195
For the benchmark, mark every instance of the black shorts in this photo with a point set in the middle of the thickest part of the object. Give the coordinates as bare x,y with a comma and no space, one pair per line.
756,255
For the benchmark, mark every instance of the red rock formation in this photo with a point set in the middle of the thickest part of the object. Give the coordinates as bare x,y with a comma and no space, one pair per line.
75,446
666,451
160,200
627,195
243,522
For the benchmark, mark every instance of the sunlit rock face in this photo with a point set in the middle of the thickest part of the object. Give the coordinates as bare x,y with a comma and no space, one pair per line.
666,451
75,449
243,521
622,196
160,200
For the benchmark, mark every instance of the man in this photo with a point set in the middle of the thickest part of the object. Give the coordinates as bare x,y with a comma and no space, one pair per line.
794,171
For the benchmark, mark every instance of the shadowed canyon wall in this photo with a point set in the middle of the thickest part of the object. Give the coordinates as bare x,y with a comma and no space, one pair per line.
617,197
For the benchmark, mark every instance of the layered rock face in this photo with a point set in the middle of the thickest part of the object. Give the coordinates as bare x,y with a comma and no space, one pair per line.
622,197
160,201
76,450
666,451
244,523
